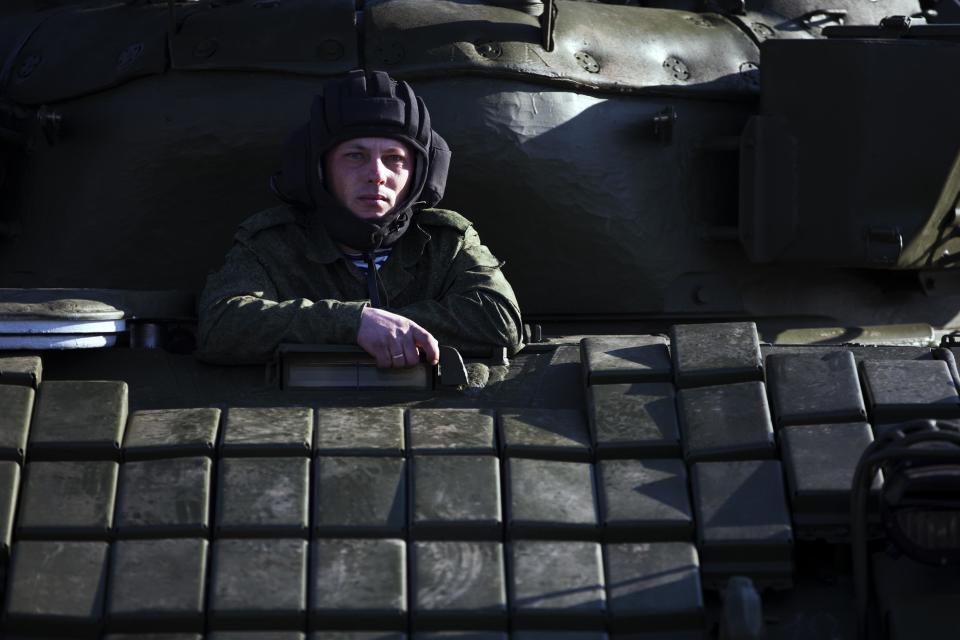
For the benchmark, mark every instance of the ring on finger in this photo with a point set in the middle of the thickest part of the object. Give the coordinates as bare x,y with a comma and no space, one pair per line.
399,355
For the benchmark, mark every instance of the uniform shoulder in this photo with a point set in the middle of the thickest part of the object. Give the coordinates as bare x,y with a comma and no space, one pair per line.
266,219
443,218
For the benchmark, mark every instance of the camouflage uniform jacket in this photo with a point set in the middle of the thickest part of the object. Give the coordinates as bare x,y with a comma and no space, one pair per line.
285,280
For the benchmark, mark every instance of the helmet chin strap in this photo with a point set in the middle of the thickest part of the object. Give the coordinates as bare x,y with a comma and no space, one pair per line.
373,281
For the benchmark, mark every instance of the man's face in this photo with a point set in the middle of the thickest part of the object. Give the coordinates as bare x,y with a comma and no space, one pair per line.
369,175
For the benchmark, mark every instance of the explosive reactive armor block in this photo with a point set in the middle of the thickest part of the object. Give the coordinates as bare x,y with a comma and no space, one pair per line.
164,498
279,569
82,420
26,371
157,585
358,584
458,585
9,488
56,588
452,431
815,389
820,461
653,586
547,434
905,389
171,433
17,408
369,431
550,499
263,497
268,431
633,420
456,497
726,422
644,500
625,359
715,353
557,585
68,500
743,524
359,497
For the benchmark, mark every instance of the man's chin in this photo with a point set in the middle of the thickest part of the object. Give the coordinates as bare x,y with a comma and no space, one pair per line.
369,212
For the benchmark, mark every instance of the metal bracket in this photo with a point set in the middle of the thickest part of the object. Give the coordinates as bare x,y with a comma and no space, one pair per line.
884,245
663,124
949,340
50,124
895,23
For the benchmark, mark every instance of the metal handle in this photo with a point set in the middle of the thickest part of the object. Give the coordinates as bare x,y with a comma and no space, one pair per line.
548,22
450,370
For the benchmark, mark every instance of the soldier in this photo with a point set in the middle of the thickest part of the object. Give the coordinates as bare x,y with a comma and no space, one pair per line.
357,254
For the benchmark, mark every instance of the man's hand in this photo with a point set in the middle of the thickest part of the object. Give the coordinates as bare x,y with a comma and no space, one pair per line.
395,341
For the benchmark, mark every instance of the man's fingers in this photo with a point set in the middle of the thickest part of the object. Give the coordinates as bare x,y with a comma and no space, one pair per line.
410,355
385,353
388,350
393,340
429,344
375,351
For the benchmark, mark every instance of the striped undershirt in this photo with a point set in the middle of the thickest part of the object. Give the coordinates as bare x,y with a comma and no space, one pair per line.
379,257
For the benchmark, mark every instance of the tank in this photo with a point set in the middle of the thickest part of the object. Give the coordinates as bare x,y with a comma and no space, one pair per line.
731,227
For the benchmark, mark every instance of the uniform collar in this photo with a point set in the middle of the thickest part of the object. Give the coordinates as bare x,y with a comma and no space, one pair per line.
399,271
321,247
411,245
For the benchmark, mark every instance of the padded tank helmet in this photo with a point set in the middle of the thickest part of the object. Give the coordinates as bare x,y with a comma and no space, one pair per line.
363,104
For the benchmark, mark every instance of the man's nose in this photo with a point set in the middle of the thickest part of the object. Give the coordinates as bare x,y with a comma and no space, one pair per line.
376,171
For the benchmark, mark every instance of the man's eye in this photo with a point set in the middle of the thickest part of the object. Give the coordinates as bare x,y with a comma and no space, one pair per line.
396,159
354,155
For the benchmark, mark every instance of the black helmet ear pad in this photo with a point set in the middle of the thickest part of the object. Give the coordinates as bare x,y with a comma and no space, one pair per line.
436,182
